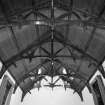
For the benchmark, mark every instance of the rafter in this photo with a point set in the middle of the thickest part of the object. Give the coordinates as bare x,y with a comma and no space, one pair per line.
35,43
51,62
91,37
67,43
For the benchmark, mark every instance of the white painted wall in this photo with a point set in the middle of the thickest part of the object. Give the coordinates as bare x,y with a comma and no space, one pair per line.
58,97
46,97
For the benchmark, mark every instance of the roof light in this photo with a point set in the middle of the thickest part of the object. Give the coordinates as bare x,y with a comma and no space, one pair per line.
32,78
64,71
71,78
40,71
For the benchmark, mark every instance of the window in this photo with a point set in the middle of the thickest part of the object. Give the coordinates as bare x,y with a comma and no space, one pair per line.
8,87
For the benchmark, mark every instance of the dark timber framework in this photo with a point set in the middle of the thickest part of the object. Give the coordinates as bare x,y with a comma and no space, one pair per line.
50,58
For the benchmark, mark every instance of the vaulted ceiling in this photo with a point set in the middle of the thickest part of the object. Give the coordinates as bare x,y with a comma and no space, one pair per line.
52,36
